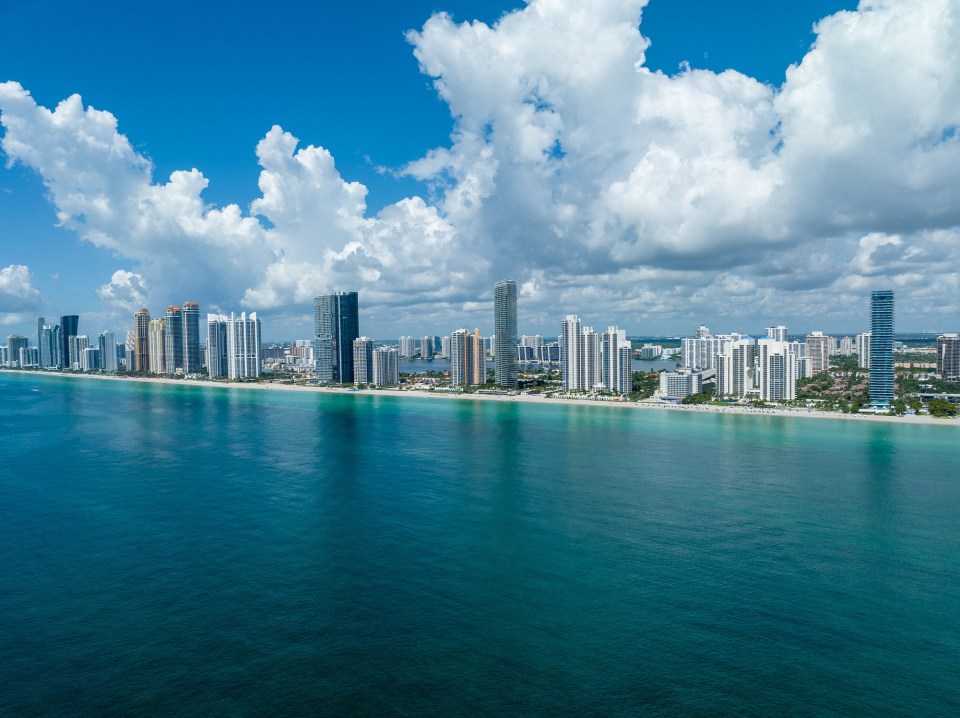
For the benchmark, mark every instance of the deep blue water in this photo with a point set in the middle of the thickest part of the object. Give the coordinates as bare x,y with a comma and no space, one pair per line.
176,551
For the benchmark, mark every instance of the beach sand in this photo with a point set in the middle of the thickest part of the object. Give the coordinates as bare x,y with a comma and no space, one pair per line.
801,413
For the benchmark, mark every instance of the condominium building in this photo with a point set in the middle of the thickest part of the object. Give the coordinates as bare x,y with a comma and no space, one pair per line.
407,348
701,352
863,350
881,348
362,360
141,331
385,367
337,324
15,343
616,355
948,356
69,326
216,346
191,338
778,333
776,370
156,343
505,332
107,344
570,354
467,366
818,350
737,369
426,347
679,384
173,339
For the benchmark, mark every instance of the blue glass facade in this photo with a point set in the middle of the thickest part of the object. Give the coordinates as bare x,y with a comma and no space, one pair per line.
881,348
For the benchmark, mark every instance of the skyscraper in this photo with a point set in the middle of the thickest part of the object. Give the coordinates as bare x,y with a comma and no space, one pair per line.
15,343
243,346
216,346
191,338
141,333
337,324
881,348
385,367
818,351
173,339
617,361
107,344
68,328
863,350
948,356
776,370
407,347
505,332
779,333
570,358
156,347
426,347
466,358
362,360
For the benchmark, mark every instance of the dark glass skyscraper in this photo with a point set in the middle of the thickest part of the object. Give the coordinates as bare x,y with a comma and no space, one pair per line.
191,337
173,339
68,328
337,324
881,348
505,332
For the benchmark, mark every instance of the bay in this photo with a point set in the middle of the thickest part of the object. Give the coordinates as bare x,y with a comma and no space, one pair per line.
179,550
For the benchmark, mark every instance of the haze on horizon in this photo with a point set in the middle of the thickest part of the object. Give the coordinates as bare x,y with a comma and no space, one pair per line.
540,144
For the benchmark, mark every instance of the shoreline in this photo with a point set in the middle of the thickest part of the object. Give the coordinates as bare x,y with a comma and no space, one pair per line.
911,419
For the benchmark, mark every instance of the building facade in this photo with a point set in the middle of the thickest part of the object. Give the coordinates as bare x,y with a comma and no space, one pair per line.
69,326
336,324
191,338
881,348
818,351
616,350
948,356
385,367
173,339
505,332
362,360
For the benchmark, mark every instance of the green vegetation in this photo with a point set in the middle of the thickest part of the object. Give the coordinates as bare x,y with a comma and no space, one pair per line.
645,383
942,408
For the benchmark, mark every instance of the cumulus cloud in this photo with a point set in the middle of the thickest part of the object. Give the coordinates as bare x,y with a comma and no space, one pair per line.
17,292
126,291
572,167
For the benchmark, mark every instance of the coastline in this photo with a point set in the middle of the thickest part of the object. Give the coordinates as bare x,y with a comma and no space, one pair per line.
913,419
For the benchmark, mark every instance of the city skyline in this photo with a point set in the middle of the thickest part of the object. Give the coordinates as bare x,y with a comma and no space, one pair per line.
779,173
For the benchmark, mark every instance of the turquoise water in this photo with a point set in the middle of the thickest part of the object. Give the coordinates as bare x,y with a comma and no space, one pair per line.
187,551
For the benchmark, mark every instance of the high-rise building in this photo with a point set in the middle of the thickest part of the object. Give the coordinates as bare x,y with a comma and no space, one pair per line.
846,347
617,366
776,370
679,384
243,346
818,350
385,367
881,348
407,347
591,364
107,344
362,360
466,358
863,350
778,333
141,332
69,325
445,347
570,357
191,338
505,332
90,359
948,356
737,369
40,323
426,347
156,347
15,343
173,339
337,324
700,352
216,346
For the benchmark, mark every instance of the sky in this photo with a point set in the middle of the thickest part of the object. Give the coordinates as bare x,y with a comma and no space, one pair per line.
654,166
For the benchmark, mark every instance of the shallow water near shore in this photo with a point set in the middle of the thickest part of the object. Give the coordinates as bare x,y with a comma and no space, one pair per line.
181,550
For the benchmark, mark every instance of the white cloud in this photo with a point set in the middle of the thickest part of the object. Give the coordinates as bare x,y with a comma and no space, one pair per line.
17,292
126,291
576,170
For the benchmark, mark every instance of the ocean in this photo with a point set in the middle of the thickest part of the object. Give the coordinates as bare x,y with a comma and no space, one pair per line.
189,551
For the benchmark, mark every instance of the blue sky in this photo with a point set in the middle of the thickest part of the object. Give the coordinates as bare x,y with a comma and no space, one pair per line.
200,85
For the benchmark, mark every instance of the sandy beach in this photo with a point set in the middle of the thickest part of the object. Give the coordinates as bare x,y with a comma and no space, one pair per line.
801,413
